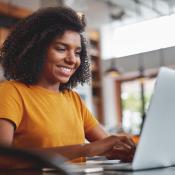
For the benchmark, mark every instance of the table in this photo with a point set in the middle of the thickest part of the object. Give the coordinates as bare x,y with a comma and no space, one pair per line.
161,171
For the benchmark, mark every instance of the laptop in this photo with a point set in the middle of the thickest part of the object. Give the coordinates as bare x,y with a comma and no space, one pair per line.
156,147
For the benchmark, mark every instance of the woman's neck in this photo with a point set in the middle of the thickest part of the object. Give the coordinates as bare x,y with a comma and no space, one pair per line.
49,86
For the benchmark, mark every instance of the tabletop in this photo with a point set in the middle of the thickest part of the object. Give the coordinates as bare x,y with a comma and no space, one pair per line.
160,171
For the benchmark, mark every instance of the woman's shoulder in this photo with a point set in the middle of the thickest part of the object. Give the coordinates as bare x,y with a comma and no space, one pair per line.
73,95
71,92
11,83
6,84
11,86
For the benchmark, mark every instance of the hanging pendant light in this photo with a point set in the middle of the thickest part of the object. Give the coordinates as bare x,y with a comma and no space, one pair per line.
112,71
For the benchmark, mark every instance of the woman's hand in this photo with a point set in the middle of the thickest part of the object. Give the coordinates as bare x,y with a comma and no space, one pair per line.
113,147
123,151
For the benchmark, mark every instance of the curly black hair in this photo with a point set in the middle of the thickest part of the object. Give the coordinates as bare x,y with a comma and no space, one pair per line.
23,52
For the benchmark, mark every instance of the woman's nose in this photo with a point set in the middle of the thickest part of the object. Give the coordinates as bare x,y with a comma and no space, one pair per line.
71,58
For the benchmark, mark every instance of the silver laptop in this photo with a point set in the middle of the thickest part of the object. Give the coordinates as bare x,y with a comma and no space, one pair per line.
156,147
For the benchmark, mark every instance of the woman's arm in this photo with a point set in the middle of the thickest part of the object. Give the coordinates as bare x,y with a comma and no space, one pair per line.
96,133
101,144
6,132
113,147
71,152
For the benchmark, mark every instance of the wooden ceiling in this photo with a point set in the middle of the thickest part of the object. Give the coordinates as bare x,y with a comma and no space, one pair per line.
13,11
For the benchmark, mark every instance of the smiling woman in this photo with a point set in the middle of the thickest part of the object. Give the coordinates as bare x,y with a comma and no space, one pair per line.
62,60
43,59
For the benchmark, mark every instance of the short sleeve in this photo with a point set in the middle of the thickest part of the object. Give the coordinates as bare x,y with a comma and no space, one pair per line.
89,119
10,103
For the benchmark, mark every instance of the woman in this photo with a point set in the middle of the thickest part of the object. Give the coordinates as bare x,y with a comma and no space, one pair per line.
43,59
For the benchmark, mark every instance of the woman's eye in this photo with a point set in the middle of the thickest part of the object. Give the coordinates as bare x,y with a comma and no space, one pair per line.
77,53
60,49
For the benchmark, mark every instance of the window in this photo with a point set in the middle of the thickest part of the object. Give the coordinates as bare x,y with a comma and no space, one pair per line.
132,102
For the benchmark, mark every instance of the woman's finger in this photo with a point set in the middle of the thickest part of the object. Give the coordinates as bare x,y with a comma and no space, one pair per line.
127,140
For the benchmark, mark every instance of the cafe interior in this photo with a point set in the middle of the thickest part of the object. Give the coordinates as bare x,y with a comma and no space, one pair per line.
129,40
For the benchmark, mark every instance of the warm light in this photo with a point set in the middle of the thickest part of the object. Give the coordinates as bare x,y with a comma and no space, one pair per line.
112,72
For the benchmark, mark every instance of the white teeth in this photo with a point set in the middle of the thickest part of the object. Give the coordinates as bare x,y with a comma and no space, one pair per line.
66,70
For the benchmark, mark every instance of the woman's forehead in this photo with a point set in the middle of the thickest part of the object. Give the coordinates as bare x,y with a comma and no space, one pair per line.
69,37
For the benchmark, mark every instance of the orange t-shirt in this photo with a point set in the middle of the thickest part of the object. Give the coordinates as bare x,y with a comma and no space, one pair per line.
44,118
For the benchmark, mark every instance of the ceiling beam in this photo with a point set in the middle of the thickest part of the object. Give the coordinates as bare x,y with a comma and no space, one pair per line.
13,11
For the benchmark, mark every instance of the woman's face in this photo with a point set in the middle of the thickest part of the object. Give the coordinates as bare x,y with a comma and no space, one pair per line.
62,58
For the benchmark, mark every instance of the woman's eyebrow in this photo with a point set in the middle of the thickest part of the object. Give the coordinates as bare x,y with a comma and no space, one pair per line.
60,43
66,45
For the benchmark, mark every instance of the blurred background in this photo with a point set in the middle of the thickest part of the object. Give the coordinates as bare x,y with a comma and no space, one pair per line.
129,41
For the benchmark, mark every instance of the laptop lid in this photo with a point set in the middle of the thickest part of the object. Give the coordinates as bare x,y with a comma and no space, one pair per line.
157,144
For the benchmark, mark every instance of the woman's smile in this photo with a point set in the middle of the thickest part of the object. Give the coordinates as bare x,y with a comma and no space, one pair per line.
65,71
